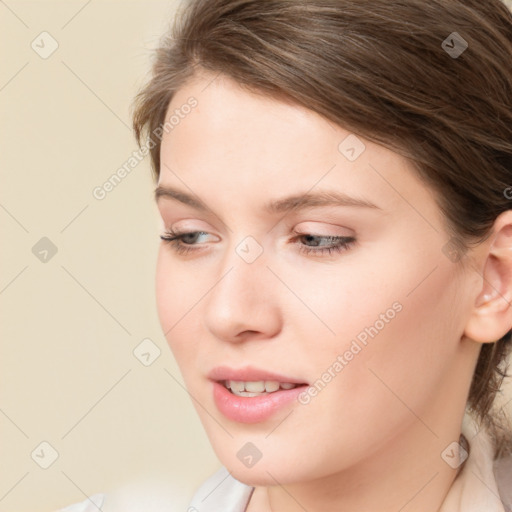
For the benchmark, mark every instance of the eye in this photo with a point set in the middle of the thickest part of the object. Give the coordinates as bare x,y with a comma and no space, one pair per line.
182,243
316,245
326,244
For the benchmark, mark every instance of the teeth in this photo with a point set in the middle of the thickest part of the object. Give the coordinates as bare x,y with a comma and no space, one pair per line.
256,388
236,387
271,386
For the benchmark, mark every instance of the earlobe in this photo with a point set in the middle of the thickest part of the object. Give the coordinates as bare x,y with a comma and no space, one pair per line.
491,317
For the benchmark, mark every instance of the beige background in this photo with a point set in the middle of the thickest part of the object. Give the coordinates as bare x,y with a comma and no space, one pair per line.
69,325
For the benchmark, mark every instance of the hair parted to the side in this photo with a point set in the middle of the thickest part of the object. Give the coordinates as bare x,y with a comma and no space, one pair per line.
376,68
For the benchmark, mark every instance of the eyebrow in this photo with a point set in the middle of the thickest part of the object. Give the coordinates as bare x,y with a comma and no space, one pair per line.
292,203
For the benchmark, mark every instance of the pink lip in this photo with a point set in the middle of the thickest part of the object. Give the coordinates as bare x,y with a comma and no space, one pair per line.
251,409
249,374
255,409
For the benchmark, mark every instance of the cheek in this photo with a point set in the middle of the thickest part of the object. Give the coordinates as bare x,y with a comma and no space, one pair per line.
165,299
420,346
397,331
177,294
399,368
400,296
400,315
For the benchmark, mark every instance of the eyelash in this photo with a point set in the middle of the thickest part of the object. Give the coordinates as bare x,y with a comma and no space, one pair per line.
175,240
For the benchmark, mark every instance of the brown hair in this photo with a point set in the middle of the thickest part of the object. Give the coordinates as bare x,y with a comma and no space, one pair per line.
393,72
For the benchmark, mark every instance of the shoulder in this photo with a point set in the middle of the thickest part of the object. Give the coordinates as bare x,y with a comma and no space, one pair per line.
91,504
223,492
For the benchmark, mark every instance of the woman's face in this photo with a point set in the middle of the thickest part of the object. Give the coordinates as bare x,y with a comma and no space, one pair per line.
347,291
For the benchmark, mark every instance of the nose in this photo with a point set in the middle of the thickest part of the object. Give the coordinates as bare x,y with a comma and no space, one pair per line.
244,302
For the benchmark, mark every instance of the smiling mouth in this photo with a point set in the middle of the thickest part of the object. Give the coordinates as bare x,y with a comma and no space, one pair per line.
257,388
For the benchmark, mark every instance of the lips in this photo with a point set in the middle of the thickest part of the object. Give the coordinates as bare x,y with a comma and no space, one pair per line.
252,395
250,374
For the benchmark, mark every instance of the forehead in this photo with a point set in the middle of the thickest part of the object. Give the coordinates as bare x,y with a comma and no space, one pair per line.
232,128
226,109
252,145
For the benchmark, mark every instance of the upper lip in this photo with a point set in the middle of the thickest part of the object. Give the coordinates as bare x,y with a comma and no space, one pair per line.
250,374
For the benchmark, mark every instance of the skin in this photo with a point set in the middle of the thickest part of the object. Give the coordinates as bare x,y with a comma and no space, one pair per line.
372,438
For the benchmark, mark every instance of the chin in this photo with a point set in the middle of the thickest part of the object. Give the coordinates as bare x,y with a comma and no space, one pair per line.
269,470
257,476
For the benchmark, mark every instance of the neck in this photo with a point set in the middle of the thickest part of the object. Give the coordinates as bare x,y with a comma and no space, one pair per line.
406,474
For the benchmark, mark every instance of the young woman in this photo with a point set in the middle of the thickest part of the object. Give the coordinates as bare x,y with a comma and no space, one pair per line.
334,179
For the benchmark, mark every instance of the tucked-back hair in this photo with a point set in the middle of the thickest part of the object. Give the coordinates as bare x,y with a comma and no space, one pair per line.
392,72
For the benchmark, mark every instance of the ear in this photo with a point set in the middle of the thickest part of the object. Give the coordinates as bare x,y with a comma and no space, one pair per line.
491,317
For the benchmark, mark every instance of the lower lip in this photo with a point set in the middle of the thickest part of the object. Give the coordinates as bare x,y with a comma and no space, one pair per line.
252,409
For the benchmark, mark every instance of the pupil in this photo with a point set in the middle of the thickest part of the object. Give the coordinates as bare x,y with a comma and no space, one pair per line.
190,237
311,238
